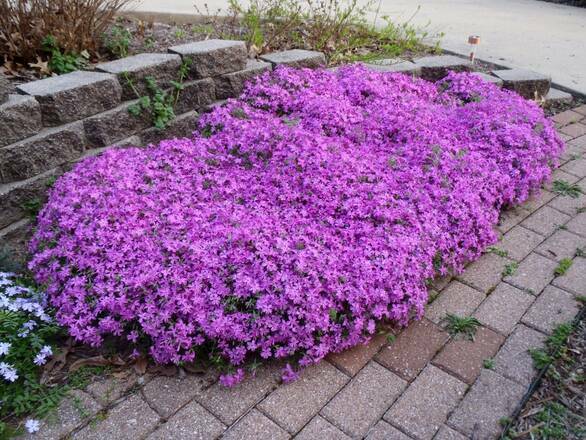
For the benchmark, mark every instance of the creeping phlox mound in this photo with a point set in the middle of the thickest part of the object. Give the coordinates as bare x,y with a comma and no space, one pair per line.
296,217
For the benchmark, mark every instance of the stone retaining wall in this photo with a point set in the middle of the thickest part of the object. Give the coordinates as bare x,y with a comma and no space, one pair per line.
54,122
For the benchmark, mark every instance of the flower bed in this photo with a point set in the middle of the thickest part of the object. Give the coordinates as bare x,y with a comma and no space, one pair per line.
296,218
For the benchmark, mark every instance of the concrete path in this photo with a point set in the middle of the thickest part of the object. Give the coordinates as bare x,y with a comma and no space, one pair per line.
532,34
420,383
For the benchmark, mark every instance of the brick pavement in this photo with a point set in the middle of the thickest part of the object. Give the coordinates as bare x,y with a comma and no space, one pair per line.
423,384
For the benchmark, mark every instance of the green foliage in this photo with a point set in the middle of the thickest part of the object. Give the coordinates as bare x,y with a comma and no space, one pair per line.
32,207
510,269
160,104
498,251
554,423
461,325
63,62
563,266
342,29
118,41
555,346
488,364
566,189
27,334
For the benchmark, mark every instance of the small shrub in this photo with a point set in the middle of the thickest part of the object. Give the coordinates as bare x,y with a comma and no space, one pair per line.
159,104
262,238
63,62
339,28
117,41
461,325
75,25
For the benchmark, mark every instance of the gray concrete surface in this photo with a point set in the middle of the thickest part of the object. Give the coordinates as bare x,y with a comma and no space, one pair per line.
532,34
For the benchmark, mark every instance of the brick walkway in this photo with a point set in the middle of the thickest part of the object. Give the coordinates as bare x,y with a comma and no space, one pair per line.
423,385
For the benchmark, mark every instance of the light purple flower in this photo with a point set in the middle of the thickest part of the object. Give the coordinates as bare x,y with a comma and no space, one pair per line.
32,426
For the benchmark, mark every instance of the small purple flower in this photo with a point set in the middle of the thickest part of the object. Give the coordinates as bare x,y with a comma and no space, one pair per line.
32,426
232,379
4,347
289,375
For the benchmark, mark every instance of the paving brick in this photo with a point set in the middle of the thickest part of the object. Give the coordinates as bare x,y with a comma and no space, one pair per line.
293,405
196,95
512,217
255,426
562,244
573,151
456,298
491,398
296,58
228,404
20,117
464,358
213,57
580,141
528,84
133,70
447,433
504,308
571,205
537,200
351,361
557,97
191,422
560,174
383,431
576,129
567,117
486,272
364,400
513,359
574,280
439,283
430,398
545,221
533,274
110,389
413,348
489,78
113,125
72,412
168,394
519,242
320,428
581,109
40,153
553,307
130,420
73,96
436,67
577,167
577,225
232,84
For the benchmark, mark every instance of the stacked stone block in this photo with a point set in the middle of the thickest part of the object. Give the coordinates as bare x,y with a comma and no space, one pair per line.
54,122
50,124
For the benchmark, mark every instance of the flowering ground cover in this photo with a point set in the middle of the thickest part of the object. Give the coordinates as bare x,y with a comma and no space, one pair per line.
299,215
